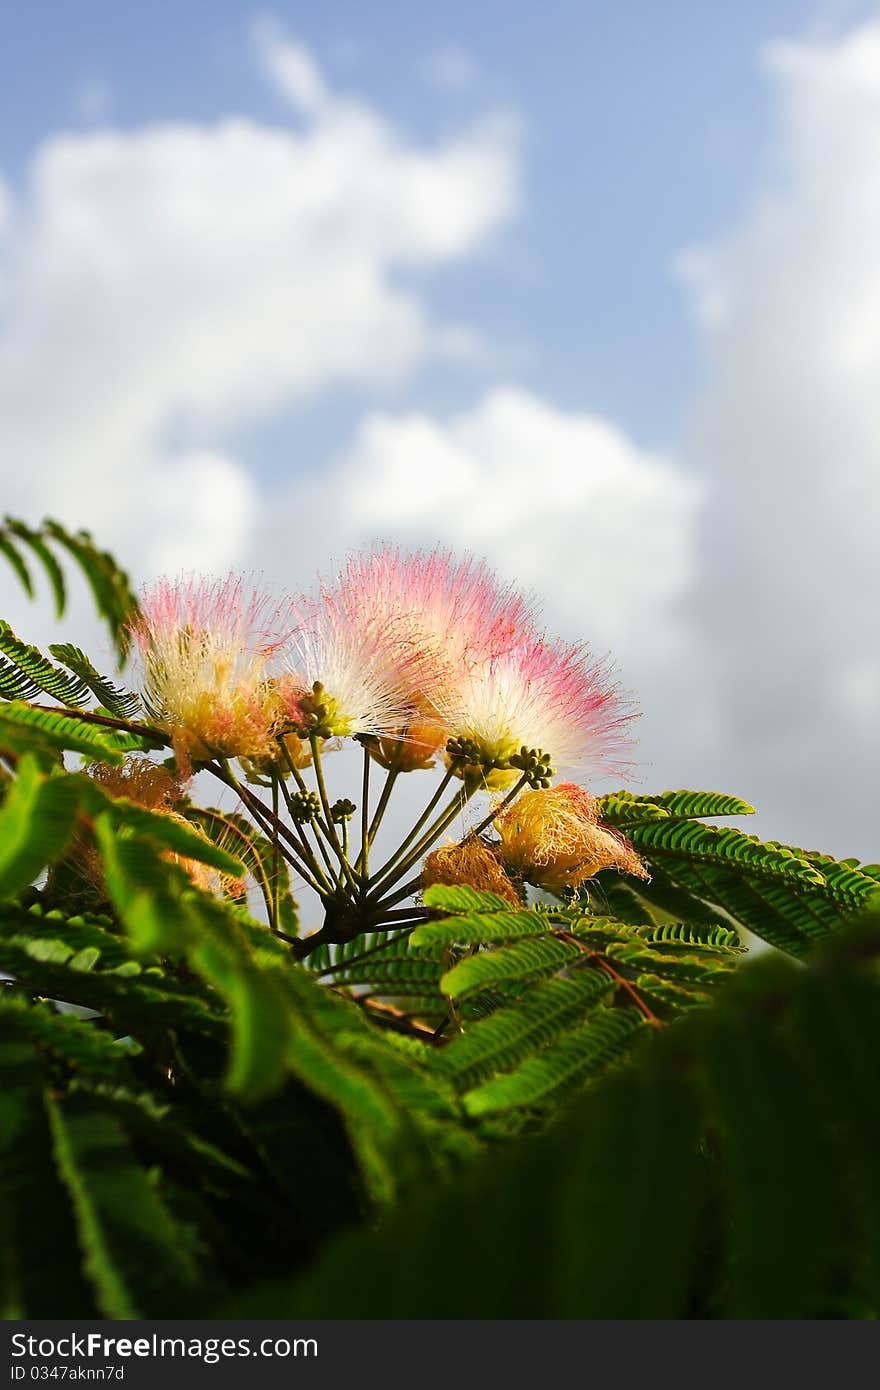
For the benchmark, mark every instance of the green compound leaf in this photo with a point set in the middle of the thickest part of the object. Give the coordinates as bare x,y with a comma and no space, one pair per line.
509,964
531,1023
34,541
606,1036
36,821
623,809
17,562
461,899
110,587
26,729
120,703
234,833
136,1256
40,672
131,818
109,584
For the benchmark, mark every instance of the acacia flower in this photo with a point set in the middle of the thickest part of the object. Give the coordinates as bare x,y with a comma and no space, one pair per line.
152,786
471,862
443,617
341,679
552,837
205,648
537,698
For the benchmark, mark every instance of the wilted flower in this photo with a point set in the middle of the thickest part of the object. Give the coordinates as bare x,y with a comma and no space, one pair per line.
147,783
470,862
152,786
552,837
205,647
537,696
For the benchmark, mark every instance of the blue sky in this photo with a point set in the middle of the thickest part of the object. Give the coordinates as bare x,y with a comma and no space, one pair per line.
593,290
645,129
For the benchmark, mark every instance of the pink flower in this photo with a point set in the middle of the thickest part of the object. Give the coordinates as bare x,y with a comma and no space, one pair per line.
445,616
539,695
343,677
205,647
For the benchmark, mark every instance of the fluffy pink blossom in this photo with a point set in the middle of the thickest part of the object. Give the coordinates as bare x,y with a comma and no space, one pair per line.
541,695
343,677
445,616
205,648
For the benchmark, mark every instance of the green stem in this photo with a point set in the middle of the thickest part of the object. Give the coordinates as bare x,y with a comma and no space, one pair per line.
331,836
496,811
406,914
105,721
319,778
328,862
363,863
305,945
323,829
263,817
327,883
391,777
436,829
275,855
416,829
397,897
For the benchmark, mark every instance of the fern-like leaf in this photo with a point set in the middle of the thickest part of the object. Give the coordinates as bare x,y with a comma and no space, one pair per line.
623,809
607,1035
528,960
131,818
37,545
528,1025
120,703
67,689
109,584
36,822
136,1256
25,728
234,833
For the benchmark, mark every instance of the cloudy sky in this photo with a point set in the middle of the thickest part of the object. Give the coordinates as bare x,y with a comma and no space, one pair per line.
592,290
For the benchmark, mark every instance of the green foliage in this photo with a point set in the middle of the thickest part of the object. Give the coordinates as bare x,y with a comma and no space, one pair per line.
791,898
26,673
135,1255
686,1185
37,673
624,810
116,701
36,822
579,1108
25,728
109,585
256,854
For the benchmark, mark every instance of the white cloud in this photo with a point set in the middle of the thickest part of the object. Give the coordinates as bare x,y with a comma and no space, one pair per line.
93,99
173,281
289,66
450,69
788,432
563,503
